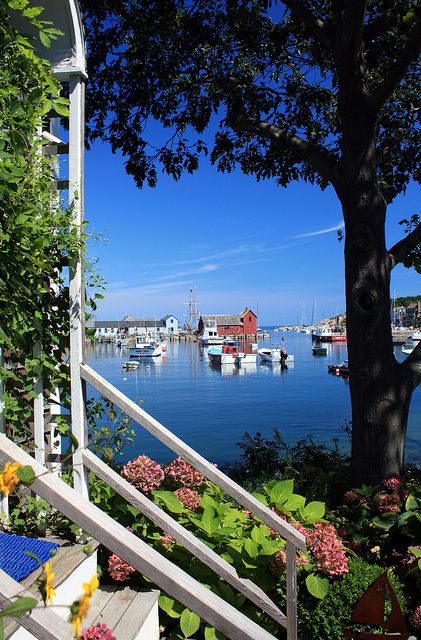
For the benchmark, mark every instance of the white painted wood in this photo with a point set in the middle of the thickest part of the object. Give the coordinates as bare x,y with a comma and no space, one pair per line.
39,404
291,591
4,500
42,623
187,453
133,550
140,620
76,285
184,537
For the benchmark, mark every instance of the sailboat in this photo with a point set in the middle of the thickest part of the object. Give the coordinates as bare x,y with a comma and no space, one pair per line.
370,610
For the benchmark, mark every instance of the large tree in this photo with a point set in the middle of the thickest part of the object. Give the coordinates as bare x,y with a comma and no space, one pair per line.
325,92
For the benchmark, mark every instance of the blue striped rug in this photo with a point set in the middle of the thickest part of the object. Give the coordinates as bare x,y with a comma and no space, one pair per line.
15,562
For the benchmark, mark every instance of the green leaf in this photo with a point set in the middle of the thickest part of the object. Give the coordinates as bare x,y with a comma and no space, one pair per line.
313,512
73,440
270,547
411,503
295,502
20,606
26,474
167,604
281,492
212,634
189,622
251,548
1,629
133,510
259,496
317,586
415,551
32,555
170,500
46,41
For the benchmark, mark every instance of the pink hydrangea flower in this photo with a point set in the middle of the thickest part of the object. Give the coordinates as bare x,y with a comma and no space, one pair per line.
188,497
279,561
143,473
352,497
327,549
415,617
98,632
410,560
119,569
167,541
386,502
182,472
392,483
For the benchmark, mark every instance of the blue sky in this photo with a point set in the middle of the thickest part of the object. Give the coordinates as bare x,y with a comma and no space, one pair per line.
239,242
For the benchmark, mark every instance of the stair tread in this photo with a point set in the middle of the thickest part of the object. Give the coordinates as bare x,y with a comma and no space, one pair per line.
123,609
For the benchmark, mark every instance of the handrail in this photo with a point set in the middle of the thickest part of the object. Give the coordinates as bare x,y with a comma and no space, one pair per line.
183,536
209,470
133,550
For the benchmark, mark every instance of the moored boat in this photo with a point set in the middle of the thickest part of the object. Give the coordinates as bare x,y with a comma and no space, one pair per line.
147,349
318,350
275,355
132,364
224,354
326,334
339,369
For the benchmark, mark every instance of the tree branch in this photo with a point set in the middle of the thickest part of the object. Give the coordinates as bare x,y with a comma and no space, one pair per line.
321,161
378,26
410,53
401,249
303,13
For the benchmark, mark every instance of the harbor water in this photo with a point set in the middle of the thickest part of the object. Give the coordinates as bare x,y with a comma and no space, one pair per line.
211,408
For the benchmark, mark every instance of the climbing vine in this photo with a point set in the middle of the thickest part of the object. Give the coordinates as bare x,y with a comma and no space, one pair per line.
37,240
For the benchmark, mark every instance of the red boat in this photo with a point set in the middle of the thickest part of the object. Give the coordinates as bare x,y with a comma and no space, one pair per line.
325,334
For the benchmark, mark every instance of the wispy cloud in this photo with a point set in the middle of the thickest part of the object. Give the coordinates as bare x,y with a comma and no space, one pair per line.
216,256
179,274
321,232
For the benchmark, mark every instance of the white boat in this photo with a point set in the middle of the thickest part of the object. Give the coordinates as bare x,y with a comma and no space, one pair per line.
416,337
408,348
132,364
210,335
147,349
245,358
326,334
275,355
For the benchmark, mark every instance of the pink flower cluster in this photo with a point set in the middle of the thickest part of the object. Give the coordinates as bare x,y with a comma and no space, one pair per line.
392,483
98,632
167,541
386,502
279,561
188,497
143,473
119,569
327,549
410,560
415,617
182,472
352,497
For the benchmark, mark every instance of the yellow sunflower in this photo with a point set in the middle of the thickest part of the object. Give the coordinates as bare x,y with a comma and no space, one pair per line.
8,477
79,609
46,584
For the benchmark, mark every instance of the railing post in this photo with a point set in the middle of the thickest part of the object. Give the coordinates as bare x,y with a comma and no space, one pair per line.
39,404
4,501
76,285
291,591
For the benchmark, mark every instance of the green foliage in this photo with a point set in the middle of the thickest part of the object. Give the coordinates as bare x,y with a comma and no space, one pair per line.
110,431
326,619
319,472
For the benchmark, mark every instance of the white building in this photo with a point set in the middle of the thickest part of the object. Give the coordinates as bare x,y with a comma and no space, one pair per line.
129,326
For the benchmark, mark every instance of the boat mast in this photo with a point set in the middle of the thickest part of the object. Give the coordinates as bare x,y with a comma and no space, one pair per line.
192,311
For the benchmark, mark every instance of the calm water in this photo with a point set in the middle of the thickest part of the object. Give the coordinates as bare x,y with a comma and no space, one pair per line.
210,409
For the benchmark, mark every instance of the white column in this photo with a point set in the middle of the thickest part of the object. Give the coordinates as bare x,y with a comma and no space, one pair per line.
4,501
76,285
39,406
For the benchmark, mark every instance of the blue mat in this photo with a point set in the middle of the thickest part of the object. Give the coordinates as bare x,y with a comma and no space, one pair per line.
15,562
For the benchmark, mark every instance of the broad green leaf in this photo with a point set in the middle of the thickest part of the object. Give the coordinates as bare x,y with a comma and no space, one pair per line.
209,522
259,496
26,474
73,440
46,41
34,557
313,512
281,492
133,510
167,604
170,500
257,535
411,503
189,622
251,548
317,586
295,502
415,551
207,501
212,634
270,547
20,606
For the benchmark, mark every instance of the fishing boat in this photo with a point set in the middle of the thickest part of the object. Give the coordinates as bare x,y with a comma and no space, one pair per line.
327,334
277,354
224,354
210,336
147,349
408,348
370,610
339,369
245,358
317,350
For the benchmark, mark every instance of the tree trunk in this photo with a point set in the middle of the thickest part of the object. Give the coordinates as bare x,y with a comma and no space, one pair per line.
380,389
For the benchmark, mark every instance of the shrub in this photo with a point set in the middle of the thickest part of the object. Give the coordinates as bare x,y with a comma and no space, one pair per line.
326,619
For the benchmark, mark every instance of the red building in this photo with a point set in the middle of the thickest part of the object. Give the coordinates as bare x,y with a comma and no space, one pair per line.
242,324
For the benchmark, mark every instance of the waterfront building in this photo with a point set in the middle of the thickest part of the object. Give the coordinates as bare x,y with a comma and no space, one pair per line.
130,326
241,324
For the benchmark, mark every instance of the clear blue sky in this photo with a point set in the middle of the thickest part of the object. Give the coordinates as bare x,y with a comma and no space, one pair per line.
239,242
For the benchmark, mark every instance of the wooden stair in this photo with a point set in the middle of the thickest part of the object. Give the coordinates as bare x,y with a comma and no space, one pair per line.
131,614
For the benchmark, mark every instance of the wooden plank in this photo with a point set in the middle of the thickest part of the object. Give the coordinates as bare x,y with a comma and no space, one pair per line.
99,603
42,622
76,283
135,615
196,460
291,591
184,537
116,608
135,551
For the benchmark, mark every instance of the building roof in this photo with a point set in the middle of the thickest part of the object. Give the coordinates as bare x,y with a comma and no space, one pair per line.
168,316
245,311
224,319
126,324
